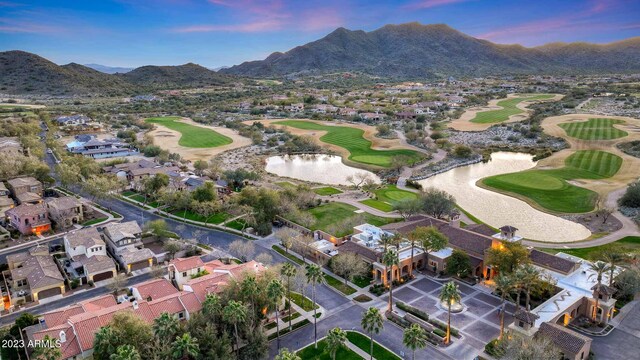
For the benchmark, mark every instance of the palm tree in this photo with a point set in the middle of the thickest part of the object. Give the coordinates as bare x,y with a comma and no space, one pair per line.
314,276
599,268
390,259
125,352
212,307
529,276
185,347
285,354
372,323
518,284
249,289
105,342
504,284
414,337
449,294
165,328
235,313
289,271
275,293
336,339
613,259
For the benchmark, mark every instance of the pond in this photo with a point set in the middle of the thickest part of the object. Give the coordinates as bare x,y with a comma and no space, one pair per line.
318,168
497,209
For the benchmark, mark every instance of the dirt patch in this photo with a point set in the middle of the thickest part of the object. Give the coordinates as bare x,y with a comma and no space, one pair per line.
463,123
168,140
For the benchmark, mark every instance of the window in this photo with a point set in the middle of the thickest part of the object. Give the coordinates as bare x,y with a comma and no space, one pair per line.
184,273
180,315
21,283
521,324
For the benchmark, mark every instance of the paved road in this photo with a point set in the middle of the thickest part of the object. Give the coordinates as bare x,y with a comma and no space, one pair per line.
622,342
71,299
348,319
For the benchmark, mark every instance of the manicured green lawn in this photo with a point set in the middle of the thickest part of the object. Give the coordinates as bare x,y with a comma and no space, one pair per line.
237,224
338,285
509,107
550,188
94,221
128,193
377,204
363,281
304,302
387,196
352,139
627,245
311,353
331,213
594,129
213,219
364,343
326,191
192,136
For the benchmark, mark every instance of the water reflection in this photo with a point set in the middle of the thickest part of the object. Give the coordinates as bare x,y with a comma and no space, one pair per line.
497,209
324,169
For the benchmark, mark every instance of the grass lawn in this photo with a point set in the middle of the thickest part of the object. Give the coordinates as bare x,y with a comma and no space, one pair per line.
353,141
213,219
289,256
627,245
363,281
509,107
326,191
550,189
192,136
387,196
287,185
311,353
364,343
594,129
304,302
94,221
128,193
338,285
237,224
328,214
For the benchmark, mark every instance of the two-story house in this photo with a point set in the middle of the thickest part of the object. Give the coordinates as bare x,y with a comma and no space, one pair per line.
124,242
65,211
29,219
26,190
33,276
181,270
88,251
6,202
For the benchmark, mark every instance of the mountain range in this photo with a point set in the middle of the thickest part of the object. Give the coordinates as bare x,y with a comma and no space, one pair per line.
405,51
26,73
109,69
414,50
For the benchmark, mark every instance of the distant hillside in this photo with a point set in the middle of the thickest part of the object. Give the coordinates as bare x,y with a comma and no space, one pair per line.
25,73
108,69
414,50
183,76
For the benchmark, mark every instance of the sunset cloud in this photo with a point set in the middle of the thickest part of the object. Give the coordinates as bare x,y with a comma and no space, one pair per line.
26,27
259,26
426,4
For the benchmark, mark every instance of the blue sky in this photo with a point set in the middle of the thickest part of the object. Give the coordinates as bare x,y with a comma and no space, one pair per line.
225,32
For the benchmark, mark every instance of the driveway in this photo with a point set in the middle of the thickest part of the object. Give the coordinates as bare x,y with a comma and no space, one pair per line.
622,342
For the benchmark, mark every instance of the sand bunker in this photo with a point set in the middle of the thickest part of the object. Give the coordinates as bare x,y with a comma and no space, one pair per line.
464,122
168,140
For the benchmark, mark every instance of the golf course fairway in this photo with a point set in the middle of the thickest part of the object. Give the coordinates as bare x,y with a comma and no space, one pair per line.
551,190
192,136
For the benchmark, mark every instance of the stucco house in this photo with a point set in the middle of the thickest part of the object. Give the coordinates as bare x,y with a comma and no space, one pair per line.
125,243
65,211
86,249
29,219
33,275
26,189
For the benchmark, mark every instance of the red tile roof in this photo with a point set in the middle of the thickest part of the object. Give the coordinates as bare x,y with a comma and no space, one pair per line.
70,347
190,302
155,289
185,264
169,304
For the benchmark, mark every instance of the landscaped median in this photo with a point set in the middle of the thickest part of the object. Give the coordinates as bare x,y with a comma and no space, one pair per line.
358,340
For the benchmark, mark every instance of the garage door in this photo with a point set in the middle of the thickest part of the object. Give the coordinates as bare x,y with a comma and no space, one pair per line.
103,276
48,293
139,265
